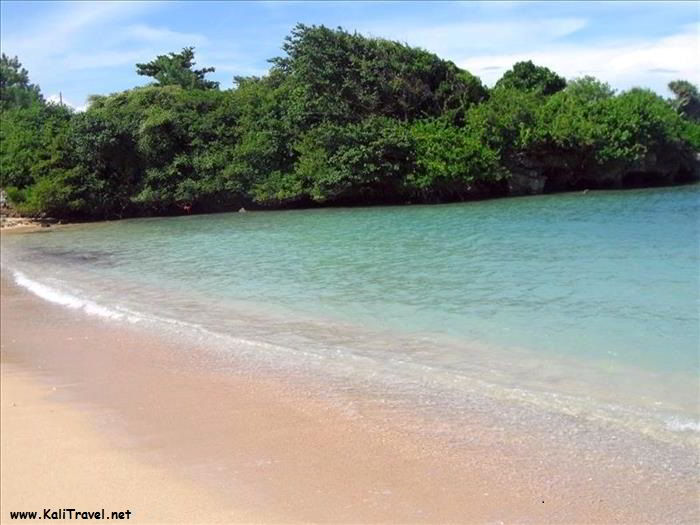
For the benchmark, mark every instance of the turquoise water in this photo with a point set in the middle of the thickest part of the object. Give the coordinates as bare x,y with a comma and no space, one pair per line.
593,297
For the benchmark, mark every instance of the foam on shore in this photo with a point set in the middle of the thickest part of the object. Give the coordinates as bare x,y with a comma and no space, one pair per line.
392,376
53,295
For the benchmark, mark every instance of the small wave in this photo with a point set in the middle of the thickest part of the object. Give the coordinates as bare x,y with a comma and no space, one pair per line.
90,307
676,424
71,301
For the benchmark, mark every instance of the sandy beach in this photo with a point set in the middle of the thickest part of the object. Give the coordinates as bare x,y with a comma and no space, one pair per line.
53,458
96,414
350,262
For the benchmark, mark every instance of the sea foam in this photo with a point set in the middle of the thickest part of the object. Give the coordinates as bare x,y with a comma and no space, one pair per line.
118,313
676,424
63,298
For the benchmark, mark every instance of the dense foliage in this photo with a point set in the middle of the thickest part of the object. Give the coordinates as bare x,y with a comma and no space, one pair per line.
15,89
526,76
176,69
340,119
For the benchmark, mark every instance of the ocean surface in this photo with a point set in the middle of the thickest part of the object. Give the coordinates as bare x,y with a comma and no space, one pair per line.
585,305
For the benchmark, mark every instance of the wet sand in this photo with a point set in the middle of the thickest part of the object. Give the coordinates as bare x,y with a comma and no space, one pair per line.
100,414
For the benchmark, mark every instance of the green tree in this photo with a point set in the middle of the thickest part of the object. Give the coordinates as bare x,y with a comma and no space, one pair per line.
687,100
526,76
451,163
340,119
644,139
568,132
506,122
168,148
345,77
589,90
270,121
15,89
176,69
31,139
355,163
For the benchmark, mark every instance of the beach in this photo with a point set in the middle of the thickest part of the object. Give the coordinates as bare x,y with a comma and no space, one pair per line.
53,458
387,274
97,414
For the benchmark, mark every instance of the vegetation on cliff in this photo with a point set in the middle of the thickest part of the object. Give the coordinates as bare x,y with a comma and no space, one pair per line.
340,119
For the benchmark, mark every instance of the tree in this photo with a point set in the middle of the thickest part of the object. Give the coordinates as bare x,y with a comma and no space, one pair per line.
640,128
176,69
589,90
526,76
450,162
506,122
15,89
341,119
346,77
356,163
687,100
353,163
31,139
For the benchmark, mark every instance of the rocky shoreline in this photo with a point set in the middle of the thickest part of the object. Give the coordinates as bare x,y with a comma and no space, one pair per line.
11,219
8,223
12,223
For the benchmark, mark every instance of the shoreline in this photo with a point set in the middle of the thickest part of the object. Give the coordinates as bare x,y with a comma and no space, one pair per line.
274,451
9,224
18,224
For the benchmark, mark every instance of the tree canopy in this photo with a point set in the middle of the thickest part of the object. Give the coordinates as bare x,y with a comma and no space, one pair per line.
687,99
176,69
526,76
339,119
15,88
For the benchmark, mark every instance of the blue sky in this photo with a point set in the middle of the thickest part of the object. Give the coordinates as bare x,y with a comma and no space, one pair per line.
83,48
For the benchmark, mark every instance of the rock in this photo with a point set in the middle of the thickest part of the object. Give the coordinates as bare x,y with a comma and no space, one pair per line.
528,182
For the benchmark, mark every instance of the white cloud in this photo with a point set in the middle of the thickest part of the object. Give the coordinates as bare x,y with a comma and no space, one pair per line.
64,25
159,35
488,49
460,38
132,44
70,36
100,59
648,63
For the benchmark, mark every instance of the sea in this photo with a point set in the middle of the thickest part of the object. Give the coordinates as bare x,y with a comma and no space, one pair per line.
584,306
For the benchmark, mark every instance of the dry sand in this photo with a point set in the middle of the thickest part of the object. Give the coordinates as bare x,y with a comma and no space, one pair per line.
52,457
99,415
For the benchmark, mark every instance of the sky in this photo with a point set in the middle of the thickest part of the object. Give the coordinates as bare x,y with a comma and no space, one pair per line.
83,48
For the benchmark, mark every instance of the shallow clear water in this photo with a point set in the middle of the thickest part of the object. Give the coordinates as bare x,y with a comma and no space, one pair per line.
586,303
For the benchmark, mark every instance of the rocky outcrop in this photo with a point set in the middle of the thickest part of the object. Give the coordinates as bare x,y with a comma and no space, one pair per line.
553,173
526,182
